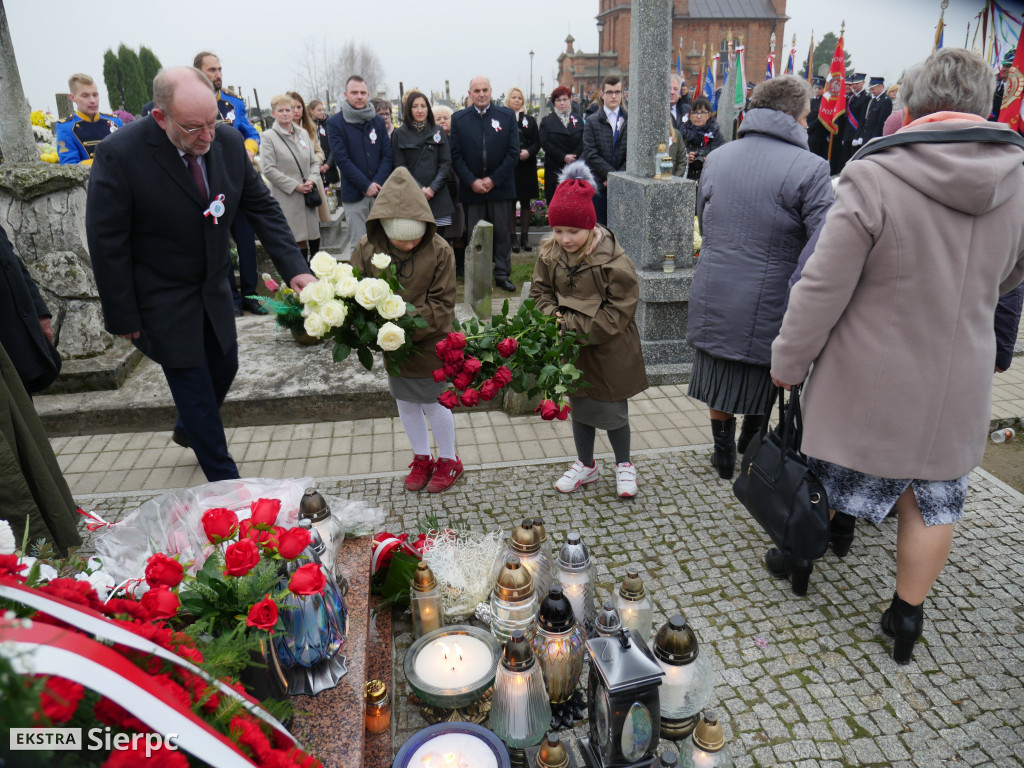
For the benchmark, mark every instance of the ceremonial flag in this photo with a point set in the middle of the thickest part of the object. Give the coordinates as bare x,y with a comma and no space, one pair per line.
709,86
791,64
1012,90
810,60
679,66
833,100
939,29
770,67
740,81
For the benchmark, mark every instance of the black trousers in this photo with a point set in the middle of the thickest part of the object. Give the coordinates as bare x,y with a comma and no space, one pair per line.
198,394
499,213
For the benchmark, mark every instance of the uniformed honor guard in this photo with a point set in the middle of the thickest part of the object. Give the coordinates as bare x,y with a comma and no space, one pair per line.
878,111
78,135
817,134
856,106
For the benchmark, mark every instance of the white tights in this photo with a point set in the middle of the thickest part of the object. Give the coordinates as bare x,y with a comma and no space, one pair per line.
414,420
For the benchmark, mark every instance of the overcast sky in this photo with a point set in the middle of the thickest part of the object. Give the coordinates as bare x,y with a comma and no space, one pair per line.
260,42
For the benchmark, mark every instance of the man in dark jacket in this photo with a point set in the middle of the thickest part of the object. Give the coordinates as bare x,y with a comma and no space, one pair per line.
856,106
361,149
678,106
25,330
878,110
160,255
604,142
485,153
817,134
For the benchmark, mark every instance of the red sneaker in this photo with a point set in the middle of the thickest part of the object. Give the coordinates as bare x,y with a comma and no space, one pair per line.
446,472
422,467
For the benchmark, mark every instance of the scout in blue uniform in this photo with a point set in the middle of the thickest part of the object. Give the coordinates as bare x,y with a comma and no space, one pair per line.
78,135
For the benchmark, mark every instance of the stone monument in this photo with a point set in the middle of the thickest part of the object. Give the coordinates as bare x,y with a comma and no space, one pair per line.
653,218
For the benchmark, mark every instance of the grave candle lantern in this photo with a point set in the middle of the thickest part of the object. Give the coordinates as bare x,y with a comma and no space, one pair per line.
574,574
452,667
525,543
425,601
706,746
520,713
634,605
513,601
689,678
607,622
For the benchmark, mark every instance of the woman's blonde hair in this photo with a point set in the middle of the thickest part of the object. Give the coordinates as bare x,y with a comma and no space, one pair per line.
515,89
280,98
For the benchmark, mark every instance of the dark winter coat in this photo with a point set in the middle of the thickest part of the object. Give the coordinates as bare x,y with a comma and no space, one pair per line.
428,157
701,141
485,146
427,274
598,298
526,171
21,306
856,107
362,152
331,177
601,152
558,141
759,200
817,134
877,112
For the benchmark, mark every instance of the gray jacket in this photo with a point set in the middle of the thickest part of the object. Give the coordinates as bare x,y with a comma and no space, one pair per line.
760,198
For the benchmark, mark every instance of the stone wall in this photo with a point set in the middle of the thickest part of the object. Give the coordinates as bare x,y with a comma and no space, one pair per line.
43,210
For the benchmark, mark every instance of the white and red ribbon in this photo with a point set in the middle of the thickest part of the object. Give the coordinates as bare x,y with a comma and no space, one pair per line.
95,521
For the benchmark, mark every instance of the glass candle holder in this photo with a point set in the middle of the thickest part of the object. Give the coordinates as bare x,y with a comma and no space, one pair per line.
574,573
636,612
378,707
706,746
689,677
607,622
466,744
513,602
525,543
559,646
425,602
520,711
452,667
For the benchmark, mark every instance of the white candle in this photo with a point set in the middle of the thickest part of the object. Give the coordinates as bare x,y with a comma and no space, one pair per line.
453,750
453,661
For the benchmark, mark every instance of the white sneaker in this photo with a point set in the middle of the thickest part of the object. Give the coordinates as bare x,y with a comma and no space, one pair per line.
578,474
625,480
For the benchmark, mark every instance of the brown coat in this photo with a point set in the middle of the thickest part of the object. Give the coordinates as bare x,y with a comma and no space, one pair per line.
599,299
427,274
895,307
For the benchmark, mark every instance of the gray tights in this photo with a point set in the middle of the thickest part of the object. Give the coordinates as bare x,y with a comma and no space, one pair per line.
584,436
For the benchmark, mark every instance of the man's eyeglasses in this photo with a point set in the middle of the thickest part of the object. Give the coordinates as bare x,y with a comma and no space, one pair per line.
702,113
613,93
193,131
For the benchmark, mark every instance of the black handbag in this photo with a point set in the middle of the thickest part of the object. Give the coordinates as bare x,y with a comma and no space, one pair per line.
311,198
779,490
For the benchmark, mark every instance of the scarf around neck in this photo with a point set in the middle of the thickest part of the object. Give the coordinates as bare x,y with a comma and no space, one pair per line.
419,125
357,116
564,116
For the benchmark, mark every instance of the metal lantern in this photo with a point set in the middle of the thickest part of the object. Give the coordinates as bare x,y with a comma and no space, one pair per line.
552,753
622,703
558,646
425,601
607,622
520,712
526,544
313,507
634,605
513,601
689,678
706,746
574,574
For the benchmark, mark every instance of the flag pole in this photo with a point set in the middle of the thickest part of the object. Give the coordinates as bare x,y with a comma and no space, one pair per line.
810,61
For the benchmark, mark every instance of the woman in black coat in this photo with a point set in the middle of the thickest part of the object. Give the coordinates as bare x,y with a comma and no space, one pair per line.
526,171
561,136
421,145
329,169
701,134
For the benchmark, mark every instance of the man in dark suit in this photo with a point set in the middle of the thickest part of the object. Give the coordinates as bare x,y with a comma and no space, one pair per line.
817,134
604,142
162,194
485,153
878,110
856,105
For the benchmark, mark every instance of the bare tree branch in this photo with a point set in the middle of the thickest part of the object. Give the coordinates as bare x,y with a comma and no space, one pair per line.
323,69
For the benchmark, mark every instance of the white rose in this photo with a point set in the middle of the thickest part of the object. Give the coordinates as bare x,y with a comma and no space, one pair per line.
390,337
322,264
7,542
380,260
371,292
100,581
46,572
333,312
306,296
345,287
392,308
341,269
315,325
323,290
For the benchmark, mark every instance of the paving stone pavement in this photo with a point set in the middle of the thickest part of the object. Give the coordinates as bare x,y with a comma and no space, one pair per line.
803,682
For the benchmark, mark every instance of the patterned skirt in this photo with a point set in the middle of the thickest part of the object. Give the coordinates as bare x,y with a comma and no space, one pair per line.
731,386
871,497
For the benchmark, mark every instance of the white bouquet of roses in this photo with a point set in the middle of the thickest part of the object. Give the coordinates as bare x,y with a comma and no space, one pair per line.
364,314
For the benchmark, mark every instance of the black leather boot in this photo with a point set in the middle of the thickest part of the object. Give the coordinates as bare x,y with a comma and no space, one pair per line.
751,426
724,457
515,242
903,622
524,243
782,567
841,534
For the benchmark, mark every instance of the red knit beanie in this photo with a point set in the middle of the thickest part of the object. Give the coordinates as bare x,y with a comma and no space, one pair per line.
573,202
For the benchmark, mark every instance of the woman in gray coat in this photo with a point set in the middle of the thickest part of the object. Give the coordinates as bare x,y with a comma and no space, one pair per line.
760,198
894,310
421,145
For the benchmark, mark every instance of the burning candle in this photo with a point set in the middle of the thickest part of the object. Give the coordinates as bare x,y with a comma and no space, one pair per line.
454,750
454,661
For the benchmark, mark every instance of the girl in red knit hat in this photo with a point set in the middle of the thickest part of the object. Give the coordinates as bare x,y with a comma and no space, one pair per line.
584,278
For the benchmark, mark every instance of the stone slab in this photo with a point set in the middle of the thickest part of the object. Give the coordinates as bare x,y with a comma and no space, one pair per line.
92,374
479,266
651,218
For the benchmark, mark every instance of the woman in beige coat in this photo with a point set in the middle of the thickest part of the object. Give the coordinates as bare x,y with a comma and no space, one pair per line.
894,310
290,165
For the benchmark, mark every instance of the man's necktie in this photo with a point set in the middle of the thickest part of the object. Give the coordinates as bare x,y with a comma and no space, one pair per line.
197,177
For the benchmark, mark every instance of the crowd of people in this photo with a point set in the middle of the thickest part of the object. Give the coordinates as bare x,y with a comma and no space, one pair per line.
888,290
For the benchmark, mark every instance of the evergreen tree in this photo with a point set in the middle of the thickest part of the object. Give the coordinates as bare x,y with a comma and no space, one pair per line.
133,80
823,53
112,80
150,66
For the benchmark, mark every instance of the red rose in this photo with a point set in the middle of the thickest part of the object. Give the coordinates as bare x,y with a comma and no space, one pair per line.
456,340
563,412
290,543
502,376
450,371
161,603
454,357
162,570
471,366
246,530
441,347
307,580
470,397
220,524
463,381
59,700
548,410
9,566
488,390
269,545
507,346
241,557
439,375
263,615
449,399
264,513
